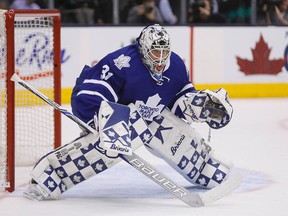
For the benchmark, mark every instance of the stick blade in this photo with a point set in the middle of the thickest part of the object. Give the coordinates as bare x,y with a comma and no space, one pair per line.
222,190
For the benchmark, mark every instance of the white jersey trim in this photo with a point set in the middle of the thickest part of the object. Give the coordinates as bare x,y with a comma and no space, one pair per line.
91,93
111,90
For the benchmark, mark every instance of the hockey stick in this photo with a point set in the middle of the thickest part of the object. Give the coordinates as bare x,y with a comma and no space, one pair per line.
192,199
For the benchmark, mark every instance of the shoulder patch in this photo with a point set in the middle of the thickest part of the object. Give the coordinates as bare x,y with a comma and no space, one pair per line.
122,61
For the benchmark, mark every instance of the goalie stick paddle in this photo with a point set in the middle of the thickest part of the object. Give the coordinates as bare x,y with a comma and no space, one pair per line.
192,199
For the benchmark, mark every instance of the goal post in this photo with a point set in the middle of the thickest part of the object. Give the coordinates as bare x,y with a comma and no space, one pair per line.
30,47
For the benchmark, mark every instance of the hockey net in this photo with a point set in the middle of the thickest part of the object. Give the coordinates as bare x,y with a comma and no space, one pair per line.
29,46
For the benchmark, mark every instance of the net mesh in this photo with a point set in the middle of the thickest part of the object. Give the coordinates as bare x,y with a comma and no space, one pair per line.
3,107
34,127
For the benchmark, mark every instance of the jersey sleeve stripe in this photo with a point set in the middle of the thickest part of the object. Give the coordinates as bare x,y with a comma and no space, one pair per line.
105,84
87,92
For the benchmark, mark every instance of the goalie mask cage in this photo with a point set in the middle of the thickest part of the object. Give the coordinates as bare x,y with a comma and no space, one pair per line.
29,46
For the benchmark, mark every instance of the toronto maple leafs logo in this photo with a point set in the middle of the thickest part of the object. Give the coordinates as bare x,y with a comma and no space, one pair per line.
151,109
122,61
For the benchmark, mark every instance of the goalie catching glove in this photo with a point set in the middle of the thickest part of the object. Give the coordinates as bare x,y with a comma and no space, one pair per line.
208,106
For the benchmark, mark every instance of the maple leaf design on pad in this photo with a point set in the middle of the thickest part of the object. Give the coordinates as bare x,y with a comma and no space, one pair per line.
51,184
260,64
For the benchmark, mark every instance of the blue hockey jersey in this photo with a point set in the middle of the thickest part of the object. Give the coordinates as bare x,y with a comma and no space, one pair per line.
121,77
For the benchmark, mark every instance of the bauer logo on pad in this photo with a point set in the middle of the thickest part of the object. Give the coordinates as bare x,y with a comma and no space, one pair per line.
114,127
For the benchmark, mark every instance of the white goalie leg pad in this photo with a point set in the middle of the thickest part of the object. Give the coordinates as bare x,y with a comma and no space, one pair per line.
57,172
208,106
184,149
49,184
83,158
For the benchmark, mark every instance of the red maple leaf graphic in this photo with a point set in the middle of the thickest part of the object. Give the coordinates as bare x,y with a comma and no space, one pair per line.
260,63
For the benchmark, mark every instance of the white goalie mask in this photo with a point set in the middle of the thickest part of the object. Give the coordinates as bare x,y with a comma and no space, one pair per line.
154,48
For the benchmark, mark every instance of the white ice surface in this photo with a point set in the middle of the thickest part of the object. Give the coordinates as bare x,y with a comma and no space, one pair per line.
256,141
